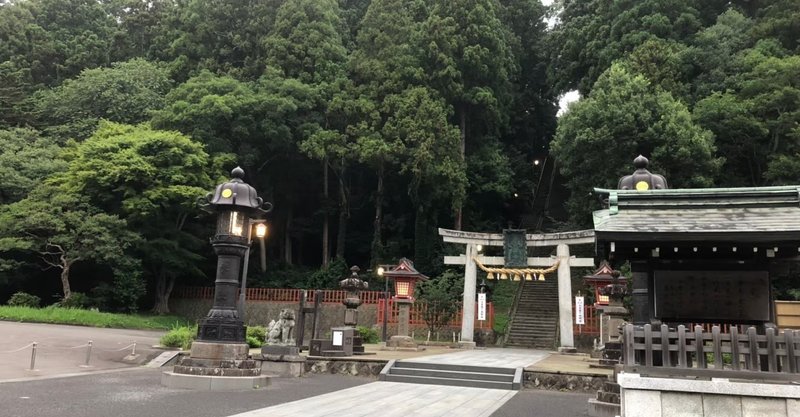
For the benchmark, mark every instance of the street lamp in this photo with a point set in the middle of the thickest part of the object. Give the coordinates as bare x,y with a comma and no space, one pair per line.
380,271
261,231
235,202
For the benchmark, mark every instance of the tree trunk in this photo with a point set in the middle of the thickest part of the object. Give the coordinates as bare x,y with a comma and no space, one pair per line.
164,288
287,238
344,213
326,254
462,126
66,265
421,244
375,254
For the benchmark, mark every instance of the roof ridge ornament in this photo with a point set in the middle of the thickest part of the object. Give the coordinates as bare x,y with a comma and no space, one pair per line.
642,179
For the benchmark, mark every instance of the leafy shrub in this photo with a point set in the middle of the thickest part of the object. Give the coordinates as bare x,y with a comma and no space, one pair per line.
329,277
23,299
259,333
75,300
179,336
254,342
368,334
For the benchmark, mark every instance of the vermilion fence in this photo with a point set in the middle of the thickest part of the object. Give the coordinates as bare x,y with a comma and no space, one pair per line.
292,295
287,295
417,315
592,326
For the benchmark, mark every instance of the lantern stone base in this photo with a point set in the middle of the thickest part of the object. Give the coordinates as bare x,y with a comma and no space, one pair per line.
220,351
213,383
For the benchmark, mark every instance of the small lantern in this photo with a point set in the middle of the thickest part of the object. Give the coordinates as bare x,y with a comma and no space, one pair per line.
261,230
598,280
405,279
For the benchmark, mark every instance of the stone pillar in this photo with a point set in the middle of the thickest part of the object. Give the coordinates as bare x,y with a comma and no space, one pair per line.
470,282
640,294
564,298
404,316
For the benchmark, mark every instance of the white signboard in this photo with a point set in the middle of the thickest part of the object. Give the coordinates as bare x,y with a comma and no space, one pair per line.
337,338
579,318
481,306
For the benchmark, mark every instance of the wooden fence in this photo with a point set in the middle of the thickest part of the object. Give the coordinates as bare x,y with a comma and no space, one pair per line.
748,355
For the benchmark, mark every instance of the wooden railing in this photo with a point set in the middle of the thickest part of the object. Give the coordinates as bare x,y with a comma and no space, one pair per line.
592,326
284,295
749,355
417,315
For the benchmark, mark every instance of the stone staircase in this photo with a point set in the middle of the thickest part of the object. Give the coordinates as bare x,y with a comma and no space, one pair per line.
452,375
535,319
606,404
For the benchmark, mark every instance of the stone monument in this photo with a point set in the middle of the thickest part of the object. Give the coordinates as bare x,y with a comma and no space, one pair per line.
280,354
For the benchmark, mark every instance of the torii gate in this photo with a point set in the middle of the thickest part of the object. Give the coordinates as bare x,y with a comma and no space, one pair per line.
560,240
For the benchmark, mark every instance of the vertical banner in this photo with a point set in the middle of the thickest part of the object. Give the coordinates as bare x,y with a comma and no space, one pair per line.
481,306
579,318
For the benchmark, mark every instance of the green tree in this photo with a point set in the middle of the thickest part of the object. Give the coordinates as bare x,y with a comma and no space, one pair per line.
64,229
593,34
127,92
469,62
151,179
441,296
623,117
26,159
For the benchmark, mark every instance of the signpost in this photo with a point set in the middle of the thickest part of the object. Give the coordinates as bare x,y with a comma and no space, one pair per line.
580,320
481,307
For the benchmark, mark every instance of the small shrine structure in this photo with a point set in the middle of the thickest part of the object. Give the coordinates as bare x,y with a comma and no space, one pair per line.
698,255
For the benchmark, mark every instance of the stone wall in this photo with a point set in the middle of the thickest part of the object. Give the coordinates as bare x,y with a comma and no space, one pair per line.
668,397
259,313
562,382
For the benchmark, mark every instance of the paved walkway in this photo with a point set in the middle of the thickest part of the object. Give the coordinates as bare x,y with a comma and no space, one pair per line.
389,399
494,357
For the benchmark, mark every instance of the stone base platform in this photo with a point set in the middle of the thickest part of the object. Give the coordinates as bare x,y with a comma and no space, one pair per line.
213,383
283,361
403,344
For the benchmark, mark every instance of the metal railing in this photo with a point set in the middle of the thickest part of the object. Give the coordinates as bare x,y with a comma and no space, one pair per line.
89,346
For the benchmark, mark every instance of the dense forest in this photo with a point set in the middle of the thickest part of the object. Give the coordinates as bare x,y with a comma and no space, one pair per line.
368,124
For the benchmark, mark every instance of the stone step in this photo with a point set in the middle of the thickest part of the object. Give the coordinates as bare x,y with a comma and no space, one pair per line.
608,397
610,386
449,382
453,375
601,409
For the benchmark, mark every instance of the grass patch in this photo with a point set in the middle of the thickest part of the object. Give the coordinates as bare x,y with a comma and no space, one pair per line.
74,316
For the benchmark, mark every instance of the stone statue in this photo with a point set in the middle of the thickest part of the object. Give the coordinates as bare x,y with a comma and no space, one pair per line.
280,332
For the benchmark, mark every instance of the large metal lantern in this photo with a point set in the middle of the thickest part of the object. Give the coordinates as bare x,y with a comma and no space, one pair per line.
235,203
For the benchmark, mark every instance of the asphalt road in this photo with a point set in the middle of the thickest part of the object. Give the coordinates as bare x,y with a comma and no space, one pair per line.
61,387
138,392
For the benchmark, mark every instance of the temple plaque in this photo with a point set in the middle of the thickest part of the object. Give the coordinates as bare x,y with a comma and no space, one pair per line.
703,296
515,248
